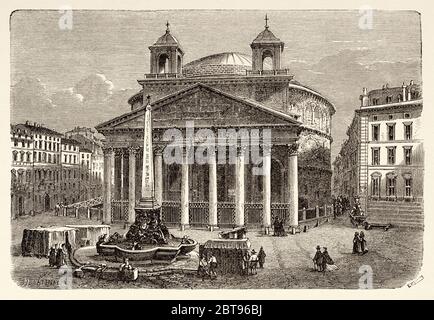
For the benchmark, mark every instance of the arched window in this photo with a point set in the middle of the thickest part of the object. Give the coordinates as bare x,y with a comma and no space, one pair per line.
316,115
308,115
163,63
267,60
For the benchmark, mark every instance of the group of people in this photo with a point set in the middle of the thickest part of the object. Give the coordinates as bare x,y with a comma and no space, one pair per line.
278,227
251,260
340,205
207,266
56,255
58,208
359,243
322,261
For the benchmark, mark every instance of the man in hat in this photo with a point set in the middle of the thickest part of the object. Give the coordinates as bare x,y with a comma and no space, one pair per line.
328,263
318,259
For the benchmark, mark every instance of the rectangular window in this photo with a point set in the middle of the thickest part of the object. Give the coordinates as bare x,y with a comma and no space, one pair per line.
391,184
408,187
391,132
376,186
408,131
375,132
375,156
407,155
391,155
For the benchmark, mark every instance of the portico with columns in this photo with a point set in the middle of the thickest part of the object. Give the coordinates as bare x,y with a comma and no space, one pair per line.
229,189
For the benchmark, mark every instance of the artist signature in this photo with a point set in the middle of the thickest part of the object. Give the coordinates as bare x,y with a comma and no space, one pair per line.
414,282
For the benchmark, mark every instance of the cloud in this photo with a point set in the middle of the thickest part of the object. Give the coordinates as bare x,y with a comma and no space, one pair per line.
95,87
341,77
91,101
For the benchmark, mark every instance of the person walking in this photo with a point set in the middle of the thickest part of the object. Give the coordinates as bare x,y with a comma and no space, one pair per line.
261,257
52,256
356,244
212,266
363,245
318,259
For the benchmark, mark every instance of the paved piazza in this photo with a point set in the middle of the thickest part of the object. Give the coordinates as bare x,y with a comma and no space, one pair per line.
395,257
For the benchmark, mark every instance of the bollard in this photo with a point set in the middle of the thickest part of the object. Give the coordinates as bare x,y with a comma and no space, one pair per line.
317,211
304,214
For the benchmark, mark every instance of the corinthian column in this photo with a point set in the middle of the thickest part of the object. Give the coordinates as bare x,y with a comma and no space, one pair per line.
158,169
131,185
212,190
239,187
185,188
266,180
293,184
107,194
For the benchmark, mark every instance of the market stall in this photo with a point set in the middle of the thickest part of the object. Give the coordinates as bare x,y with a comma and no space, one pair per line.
38,241
229,253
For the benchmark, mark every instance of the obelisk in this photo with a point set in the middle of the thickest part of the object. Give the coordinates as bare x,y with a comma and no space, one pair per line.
147,201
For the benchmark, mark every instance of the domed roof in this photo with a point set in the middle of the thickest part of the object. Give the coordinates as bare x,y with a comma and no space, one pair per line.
220,64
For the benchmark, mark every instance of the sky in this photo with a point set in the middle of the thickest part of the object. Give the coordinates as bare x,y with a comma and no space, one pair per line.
85,75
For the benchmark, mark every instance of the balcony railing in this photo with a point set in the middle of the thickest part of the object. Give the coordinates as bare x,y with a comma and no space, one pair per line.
162,75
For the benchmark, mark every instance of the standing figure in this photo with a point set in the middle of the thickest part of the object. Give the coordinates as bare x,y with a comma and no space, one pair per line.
356,243
276,226
245,263
60,257
327,262
261,257
203,268
318,259
363,245
52,256
212,266
253,262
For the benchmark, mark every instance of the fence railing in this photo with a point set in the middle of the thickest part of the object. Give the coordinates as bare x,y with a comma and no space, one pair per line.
198,213
226,214
171,213
253,214
119,210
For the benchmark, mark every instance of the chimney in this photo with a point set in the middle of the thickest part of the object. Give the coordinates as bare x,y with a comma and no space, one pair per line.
364,98
384,87
409,94
411,82
404,94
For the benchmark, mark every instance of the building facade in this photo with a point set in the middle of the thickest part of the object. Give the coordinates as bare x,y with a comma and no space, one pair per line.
386,136
229,91
46,169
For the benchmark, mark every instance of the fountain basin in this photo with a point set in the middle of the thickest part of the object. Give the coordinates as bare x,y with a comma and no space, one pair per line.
158,252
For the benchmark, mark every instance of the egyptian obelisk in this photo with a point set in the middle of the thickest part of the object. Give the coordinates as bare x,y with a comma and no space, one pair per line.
147,200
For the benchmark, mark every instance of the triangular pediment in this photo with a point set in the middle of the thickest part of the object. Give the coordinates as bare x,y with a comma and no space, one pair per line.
205,106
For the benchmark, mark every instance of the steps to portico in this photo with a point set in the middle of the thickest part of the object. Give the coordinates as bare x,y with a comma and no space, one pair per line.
399,214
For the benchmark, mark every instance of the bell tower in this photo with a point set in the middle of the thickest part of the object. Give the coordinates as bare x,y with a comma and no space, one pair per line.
266,45
167,56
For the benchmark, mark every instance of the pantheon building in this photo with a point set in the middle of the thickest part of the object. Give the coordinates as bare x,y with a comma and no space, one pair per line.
224,91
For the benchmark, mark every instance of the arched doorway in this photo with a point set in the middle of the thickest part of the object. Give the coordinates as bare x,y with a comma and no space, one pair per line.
47,202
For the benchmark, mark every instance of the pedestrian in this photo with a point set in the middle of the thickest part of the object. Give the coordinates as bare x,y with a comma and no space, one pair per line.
356,244
327,262
203,268
212,266
363,245
253,262
245,263
318,259
261,257
275,226
52,256
60,256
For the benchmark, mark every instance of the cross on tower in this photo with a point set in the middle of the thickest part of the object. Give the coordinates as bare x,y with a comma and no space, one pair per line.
167,25
266,21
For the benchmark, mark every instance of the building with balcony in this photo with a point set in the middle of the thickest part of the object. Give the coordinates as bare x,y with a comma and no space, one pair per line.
229,91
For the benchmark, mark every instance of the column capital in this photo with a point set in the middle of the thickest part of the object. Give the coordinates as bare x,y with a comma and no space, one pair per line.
158,149
132,151
293,149
107,150
241,150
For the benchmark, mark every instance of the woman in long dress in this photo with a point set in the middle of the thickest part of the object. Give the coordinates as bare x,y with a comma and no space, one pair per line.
363,245
328,263
356,244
